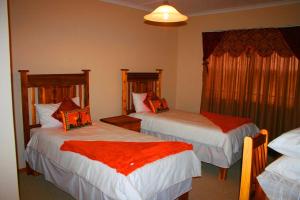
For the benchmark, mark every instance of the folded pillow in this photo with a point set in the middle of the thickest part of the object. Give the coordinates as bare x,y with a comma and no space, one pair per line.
138,102
164,104
287,167
158,105
45,111
288,143
154,105
150,96
76,118
66,105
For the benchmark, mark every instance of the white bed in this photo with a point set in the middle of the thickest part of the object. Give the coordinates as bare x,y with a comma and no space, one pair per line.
167,178
281,178
211,145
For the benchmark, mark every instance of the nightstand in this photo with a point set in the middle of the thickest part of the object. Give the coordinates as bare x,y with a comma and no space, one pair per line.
124,121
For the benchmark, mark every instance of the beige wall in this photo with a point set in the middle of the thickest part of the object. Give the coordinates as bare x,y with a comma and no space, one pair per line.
8,162
189,66
64,36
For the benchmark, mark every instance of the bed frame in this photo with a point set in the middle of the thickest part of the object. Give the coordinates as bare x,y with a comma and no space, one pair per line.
140,82
49,88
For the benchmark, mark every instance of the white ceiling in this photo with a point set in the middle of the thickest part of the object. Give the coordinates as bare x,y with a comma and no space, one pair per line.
201,7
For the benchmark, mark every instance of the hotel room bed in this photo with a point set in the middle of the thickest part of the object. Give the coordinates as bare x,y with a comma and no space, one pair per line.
167,177
211,145
84,178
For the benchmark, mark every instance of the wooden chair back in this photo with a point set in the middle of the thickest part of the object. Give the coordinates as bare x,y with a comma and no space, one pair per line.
254,162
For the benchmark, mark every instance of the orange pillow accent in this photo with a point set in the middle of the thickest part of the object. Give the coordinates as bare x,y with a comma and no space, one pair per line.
164,104
154,105
66,105
76,118
158,105
150,96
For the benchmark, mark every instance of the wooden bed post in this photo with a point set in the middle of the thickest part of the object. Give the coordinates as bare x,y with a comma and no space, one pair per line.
159,82
223,173
185,196
124,91
86,87
25,107
25,113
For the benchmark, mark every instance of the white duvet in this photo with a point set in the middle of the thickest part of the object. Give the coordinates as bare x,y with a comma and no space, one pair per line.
281,179
197,128
143,183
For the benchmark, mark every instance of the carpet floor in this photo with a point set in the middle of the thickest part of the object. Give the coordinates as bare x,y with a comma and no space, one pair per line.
205,187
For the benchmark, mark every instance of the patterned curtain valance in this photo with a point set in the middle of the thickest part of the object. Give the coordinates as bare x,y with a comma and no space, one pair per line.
292,37
284,41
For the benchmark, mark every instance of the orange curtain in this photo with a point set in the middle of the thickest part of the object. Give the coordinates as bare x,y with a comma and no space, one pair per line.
264,88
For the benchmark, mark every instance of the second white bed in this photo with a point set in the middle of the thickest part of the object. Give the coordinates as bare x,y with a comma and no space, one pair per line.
211,145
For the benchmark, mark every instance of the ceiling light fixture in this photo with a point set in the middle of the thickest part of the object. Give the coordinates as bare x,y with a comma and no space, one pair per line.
165,13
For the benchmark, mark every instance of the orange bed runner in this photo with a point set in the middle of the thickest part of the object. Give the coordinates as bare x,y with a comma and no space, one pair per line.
125,157
225,122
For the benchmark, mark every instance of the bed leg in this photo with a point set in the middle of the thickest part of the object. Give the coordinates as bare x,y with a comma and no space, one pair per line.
31,171
223,173
185,196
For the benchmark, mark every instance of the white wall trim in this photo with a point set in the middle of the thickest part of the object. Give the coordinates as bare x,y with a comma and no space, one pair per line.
209,12
127,4
241,8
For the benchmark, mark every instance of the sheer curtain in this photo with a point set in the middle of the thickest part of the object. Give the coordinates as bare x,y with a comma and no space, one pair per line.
264,88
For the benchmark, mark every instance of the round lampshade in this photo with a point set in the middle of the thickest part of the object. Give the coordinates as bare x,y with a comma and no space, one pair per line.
165,13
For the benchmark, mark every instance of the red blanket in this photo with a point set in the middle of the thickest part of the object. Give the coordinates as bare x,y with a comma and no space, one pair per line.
225,122
125,157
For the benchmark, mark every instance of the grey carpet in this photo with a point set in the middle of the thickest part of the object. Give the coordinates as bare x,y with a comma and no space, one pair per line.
205,187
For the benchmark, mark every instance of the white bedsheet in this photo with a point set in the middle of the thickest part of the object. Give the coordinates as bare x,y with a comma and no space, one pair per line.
278,187
143,183
280,180
197,128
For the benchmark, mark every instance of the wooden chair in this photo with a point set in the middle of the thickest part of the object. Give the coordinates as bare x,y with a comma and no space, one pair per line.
254,162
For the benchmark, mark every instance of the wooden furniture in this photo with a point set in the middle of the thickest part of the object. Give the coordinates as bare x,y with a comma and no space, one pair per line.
138,82
49,88
254,162
124,121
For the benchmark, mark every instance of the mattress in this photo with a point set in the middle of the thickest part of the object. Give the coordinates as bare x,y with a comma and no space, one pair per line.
224,148
144,183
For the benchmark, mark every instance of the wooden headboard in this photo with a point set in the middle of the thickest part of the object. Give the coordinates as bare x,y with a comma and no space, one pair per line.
138,82
49,88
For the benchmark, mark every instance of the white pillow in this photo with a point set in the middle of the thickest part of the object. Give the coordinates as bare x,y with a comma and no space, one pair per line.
76,101
287,167
288,143
138,102
45,111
